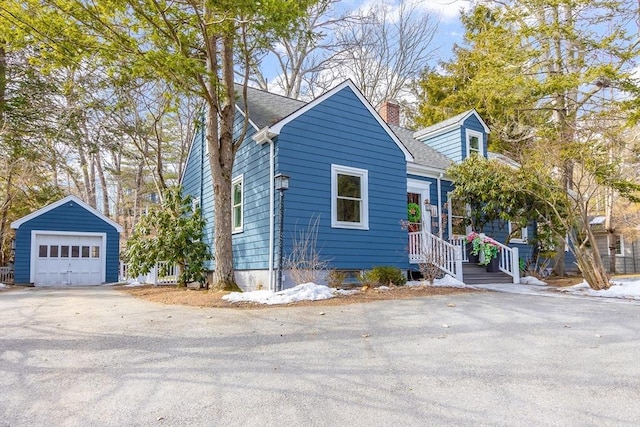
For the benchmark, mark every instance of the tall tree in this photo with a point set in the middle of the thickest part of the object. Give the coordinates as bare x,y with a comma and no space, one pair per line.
543,71
302,56
197,46
388,47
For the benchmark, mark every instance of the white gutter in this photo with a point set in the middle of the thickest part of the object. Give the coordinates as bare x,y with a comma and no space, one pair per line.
264,135
440,205
272,285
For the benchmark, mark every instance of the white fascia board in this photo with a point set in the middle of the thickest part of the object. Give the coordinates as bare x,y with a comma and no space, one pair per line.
421,136
17,223
264,135
426,171
276,128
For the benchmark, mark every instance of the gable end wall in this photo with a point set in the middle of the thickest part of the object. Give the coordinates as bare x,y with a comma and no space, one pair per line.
72,218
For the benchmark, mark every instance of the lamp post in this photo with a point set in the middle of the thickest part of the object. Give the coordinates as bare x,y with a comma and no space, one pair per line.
281,183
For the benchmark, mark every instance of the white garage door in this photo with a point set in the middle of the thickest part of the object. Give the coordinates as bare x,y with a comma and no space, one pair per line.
68,260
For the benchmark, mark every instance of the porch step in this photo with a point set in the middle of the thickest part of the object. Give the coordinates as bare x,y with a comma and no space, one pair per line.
474,274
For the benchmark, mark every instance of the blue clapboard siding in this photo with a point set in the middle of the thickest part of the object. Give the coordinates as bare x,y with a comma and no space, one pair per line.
342,131
251,246
499,230
67,217
453,143
196,182
448,143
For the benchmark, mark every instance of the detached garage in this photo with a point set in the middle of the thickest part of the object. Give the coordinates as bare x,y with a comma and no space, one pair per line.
66,243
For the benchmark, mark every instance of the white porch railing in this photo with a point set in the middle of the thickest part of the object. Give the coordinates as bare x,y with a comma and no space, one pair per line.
509,261
460,242
426,247
153,277
450,252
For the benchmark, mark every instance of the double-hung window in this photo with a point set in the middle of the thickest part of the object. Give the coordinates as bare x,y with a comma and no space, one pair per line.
237,201
458,217
474,143
519,234
349,197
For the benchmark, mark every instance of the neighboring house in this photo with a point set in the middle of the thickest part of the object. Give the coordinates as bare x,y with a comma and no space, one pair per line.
626,247
66,243
352,169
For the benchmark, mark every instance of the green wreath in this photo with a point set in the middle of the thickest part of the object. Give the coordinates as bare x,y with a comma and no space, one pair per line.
413,212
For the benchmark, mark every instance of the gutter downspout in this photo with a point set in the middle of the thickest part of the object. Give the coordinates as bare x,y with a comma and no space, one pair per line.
262,136
271,213
439,181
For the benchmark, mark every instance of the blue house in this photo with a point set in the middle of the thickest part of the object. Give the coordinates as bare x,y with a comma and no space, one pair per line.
352,171
66,243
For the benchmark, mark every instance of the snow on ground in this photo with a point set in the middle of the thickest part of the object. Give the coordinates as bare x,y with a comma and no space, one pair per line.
530,280
133,284
313,292
304,292
447,281
621,288
2,285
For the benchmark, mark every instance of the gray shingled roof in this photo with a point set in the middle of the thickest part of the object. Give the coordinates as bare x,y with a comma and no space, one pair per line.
422,153
441,125
267,108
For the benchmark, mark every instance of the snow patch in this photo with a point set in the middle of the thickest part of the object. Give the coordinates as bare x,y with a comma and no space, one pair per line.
447,281
134,284
620,288
303,292
530,280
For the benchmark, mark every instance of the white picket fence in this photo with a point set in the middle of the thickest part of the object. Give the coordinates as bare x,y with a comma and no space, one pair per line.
153,277
6,275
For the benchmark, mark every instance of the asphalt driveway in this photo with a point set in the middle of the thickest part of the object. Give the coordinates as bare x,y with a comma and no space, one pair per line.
94,356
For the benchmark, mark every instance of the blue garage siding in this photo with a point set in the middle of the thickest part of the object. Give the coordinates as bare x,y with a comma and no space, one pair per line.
342,131
69,217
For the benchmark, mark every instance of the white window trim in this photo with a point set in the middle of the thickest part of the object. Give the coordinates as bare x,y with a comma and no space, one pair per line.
479,135
195,203
239,179
363,174
621,254
525,234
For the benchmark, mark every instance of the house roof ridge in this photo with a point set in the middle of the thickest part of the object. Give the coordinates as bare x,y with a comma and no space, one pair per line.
267,92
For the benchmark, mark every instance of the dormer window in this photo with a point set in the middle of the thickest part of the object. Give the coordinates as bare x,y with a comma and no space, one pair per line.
475,144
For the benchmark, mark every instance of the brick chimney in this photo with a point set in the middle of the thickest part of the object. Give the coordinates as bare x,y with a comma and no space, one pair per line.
390,112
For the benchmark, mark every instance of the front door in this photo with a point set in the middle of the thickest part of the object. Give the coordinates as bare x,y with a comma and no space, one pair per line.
418,216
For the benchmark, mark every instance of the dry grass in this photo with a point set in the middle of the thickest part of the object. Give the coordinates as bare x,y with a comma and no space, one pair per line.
562,281
204,298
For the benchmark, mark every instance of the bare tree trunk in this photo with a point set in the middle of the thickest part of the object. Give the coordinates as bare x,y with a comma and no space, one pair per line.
159,168
137,203
103,183
4,211
3,84
117,172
